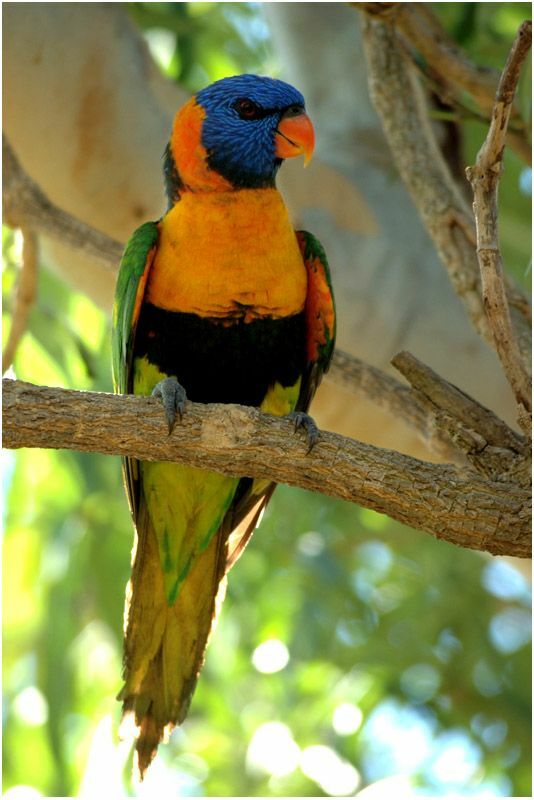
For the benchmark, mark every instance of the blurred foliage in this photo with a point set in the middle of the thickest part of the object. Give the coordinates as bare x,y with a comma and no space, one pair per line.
350,651
196,43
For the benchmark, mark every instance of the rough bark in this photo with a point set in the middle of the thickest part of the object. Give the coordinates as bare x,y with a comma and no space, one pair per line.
511,344
458,506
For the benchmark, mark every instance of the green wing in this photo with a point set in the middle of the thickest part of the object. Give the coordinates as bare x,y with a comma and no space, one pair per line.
133,273
131,282
320,317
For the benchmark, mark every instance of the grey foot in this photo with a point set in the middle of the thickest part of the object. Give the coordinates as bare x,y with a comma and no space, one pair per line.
173,397
302,420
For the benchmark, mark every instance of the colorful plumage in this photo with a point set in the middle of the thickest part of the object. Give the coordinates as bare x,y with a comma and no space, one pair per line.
220,301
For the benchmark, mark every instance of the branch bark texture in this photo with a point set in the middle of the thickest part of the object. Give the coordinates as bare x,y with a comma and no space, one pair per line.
484,178
457,506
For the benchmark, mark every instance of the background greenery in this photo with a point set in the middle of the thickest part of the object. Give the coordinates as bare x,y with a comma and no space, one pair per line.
351,651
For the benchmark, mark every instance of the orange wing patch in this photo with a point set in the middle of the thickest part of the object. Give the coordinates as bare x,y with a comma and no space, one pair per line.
320,313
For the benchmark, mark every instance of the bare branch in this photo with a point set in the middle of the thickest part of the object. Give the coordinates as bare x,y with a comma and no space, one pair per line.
424,31
484,179
398,100
386,391
25,292
25,206
488,443
444,395
400,103
396,398
447,62
464,509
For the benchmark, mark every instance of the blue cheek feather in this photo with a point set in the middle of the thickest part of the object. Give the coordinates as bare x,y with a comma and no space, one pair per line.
241,151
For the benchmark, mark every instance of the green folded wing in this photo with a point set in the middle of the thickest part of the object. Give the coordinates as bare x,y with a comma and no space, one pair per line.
133,273
131,282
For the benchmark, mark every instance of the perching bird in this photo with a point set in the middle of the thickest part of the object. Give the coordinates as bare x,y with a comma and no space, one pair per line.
220,301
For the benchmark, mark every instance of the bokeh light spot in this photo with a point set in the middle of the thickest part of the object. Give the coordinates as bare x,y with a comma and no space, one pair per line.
30,706
504,581
273,750
420,682
346,719
270,656
21,792
510,629
328,770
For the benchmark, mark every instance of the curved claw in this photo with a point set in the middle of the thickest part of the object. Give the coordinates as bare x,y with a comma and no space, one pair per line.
173,397
302,420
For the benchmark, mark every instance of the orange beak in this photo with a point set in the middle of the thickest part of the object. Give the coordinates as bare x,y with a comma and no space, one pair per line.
294,137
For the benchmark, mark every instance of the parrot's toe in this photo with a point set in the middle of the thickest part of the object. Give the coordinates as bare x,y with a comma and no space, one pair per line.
302,420
173,397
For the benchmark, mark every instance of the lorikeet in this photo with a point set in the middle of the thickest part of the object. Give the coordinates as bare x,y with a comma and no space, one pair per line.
219,301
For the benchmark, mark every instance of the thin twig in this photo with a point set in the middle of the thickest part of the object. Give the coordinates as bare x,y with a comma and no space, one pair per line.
463,508
484,179
25,292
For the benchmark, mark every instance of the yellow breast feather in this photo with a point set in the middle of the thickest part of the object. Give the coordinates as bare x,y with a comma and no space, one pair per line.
228,254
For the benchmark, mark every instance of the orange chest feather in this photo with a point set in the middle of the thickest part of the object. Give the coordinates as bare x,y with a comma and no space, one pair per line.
228,254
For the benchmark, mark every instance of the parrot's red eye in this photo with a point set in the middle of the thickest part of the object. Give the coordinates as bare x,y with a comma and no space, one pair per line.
247,109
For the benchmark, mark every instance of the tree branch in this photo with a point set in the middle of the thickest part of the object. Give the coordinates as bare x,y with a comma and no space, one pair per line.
484,179
446,396
486,442
401,106
386,391
26,206
447,62
389,394
461,508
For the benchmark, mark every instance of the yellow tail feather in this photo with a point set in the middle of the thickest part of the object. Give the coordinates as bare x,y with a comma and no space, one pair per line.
165,645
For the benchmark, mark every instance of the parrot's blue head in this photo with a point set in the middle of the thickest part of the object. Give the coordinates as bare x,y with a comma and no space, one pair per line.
235,134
